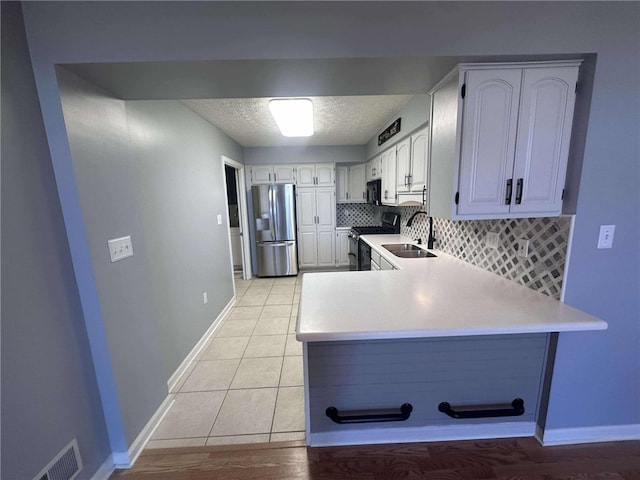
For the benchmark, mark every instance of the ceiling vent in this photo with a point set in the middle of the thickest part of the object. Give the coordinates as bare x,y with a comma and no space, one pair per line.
65,465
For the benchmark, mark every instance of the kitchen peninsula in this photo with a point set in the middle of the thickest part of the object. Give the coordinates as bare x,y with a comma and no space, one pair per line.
435,349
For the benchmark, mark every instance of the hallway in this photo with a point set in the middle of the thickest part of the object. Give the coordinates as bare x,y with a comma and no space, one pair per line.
245,386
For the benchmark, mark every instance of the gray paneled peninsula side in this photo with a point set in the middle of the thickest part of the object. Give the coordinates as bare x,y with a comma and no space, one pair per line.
437,349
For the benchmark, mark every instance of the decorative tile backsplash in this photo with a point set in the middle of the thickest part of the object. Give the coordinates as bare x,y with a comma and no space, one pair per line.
548,239
356,214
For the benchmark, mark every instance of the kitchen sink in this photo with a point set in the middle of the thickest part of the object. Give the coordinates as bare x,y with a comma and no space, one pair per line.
401,247
407,250
413,254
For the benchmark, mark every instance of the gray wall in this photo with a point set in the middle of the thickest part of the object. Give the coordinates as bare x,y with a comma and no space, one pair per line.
49,390
180,191
312,154
589,366
152,170
414,115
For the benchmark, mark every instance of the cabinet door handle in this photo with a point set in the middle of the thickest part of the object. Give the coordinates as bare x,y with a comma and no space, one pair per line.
424,195
386,416
274,178
269,177
517,409
519,185
507,198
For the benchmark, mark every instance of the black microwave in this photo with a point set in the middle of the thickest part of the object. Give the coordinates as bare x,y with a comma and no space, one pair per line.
374,192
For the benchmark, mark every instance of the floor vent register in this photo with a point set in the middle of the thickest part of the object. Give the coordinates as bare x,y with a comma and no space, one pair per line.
65,465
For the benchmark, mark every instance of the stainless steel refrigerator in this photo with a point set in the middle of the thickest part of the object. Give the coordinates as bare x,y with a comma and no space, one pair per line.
274,215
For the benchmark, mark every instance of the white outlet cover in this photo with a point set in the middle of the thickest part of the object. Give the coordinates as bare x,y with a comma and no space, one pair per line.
219,219
605,238
120,248
523,247
492,239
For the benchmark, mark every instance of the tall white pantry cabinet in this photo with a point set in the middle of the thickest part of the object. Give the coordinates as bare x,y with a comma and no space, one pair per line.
316,216
500,139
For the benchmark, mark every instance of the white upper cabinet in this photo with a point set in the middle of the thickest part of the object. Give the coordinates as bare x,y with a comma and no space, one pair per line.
260,174
357,184
419,161
374,168
488,139
342,184
389,194
306,175
284,174
500,139
403,165
544,133
315,175
350,184
412,171
264,174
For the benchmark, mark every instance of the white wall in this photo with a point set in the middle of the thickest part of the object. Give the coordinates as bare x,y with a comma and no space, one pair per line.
589,366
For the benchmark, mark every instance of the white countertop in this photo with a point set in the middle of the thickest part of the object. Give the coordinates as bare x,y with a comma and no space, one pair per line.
426,297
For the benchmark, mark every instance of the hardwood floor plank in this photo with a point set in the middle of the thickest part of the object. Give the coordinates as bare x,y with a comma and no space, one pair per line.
501,459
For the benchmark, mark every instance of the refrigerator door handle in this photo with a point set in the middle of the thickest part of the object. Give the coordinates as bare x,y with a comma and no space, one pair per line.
272,212
277,244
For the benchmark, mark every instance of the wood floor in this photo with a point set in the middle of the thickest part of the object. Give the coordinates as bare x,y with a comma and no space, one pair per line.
516,458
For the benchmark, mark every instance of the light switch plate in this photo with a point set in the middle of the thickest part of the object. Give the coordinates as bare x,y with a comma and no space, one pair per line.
605,238
120,248
219,219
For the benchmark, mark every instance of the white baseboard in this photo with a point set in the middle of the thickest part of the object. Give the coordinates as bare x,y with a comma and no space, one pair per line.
121,460
422,434
105,470
606,433
180,371
126,460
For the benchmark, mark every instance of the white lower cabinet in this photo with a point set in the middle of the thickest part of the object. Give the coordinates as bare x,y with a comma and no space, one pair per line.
375,260
342,246
316,216
386,265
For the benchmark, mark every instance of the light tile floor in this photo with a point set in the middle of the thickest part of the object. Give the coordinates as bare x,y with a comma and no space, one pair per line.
245,386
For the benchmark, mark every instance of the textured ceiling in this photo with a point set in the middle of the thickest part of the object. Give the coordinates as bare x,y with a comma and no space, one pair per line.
345,120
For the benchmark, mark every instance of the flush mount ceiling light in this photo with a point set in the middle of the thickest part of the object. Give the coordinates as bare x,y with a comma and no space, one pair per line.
294,116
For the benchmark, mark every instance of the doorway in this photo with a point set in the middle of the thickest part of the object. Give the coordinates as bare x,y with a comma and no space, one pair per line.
237,220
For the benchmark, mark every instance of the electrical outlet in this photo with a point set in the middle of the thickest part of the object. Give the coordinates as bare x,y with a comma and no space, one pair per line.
219,219
523,247
120,248
205,298
492,239
605,239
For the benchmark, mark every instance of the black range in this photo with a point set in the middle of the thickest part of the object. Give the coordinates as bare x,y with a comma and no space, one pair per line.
359,251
